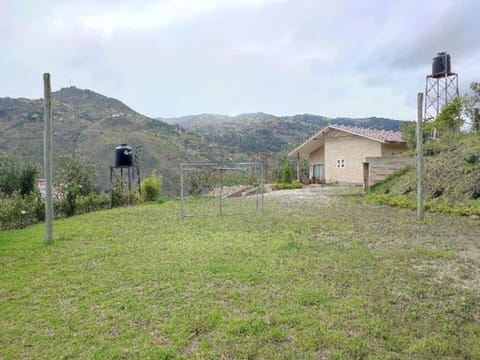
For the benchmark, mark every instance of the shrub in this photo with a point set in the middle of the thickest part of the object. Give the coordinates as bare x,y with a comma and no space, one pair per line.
151,187
19,211
291,185
92,202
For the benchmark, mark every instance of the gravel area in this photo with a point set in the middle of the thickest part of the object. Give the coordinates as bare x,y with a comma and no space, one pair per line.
311,195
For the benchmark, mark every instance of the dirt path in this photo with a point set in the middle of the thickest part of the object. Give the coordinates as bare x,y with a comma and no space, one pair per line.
310,195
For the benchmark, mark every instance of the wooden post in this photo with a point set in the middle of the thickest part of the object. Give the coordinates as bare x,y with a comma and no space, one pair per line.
47,157
420,208
298,166
366,176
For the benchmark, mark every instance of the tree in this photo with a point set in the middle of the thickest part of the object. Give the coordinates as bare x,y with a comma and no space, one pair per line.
450,118
16,176
73,170
472,107
409,132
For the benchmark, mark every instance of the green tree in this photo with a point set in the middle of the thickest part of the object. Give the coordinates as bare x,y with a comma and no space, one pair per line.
73,170
284,173
472,107
74,177
450,118
409,133
16,176
9,173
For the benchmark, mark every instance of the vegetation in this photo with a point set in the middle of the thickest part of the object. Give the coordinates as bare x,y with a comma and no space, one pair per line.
19,196
151,187
472,107
16,176
336,279
253,133
450,118
452,173
452,178
93,125
290,185
283,175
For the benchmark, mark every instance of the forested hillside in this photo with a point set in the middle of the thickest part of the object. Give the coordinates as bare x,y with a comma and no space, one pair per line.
92,125
259,132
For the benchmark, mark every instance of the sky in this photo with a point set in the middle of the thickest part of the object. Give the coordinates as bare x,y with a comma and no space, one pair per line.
169,58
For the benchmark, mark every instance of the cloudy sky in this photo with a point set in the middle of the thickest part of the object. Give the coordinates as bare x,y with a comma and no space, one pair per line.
169,58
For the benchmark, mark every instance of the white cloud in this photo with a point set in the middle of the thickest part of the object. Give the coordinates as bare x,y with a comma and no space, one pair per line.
167,58
156,14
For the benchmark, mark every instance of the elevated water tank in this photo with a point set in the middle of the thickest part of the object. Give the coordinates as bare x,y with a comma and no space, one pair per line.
441,65
123,156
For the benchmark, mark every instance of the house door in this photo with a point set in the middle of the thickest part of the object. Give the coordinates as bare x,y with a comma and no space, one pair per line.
319,172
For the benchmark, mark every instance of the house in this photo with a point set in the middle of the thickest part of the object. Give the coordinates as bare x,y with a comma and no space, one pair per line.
337,153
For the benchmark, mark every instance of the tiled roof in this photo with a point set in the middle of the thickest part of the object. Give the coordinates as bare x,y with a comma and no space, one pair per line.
374,134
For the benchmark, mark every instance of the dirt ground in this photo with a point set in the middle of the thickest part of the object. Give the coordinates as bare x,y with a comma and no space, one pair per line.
311,195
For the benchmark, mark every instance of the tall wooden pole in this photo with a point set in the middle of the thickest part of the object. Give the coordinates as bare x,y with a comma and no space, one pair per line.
47,157
420,208
298,166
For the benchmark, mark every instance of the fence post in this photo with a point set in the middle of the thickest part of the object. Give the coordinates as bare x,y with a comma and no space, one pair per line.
47,157
182,208
420,208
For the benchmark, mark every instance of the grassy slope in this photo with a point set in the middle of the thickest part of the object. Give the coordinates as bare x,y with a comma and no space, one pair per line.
345,280
452,184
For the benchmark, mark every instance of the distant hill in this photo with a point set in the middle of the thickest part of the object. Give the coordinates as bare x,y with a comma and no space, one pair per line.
259,132
92,125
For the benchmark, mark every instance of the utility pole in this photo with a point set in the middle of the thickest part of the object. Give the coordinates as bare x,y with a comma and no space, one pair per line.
47,159
420,208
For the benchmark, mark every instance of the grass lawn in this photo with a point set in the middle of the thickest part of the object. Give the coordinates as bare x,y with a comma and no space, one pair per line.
340,279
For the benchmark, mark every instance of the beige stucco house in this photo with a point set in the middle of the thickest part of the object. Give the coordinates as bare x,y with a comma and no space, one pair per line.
337,153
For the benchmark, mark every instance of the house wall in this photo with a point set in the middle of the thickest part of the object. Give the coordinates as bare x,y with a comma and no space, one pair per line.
393,149
316,157
353,150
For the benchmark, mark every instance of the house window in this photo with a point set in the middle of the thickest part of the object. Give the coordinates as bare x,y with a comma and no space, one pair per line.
340,163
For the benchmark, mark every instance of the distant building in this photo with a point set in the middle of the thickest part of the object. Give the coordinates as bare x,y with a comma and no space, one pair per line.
337,154
41,183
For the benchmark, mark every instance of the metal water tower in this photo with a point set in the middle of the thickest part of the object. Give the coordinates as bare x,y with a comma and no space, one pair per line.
125,172
441,86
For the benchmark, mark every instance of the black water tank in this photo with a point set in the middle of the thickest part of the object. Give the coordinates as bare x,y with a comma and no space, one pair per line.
441,65
123,156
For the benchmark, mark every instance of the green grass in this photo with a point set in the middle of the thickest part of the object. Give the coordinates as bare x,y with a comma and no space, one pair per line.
338,281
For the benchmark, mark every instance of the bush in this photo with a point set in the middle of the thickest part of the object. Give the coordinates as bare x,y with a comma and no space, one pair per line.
19,211
92,202
151,187
291,185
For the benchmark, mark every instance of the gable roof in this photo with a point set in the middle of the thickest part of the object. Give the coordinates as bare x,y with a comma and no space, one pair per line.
383,136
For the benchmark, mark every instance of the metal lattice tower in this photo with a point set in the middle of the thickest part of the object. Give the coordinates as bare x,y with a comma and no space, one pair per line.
441,87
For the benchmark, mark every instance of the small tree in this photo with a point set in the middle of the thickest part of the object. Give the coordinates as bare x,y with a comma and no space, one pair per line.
74,177
151,187
408,130
16,176
472,107
72,170
450,118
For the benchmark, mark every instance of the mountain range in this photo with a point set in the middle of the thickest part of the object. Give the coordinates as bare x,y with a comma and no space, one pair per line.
92,125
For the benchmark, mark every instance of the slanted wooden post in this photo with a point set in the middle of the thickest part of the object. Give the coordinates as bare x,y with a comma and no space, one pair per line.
420,208
47,159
